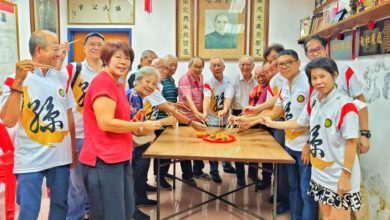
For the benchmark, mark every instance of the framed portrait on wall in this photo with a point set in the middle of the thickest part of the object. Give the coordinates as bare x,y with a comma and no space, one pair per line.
221,29
44,15
101,12
9,39
185,29
259,28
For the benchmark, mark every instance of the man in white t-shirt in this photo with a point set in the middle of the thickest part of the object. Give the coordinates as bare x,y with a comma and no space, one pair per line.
38,99
217,98
243,85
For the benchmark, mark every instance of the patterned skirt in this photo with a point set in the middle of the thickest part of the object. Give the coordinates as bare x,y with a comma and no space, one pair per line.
328,197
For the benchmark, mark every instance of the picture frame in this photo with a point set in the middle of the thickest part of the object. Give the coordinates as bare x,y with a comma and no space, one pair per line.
304,26
339,16
101,12
258,29
9,39
221,29
316,23
45,15
185,29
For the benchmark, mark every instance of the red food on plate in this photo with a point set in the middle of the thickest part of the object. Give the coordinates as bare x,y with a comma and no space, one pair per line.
219,138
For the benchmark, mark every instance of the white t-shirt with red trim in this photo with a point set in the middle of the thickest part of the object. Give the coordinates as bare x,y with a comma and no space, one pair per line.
332,121
217,92
152,101
274,85
79,90
293,102
42,137
348,81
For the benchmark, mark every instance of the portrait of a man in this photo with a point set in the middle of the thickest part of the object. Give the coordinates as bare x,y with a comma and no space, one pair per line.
220,38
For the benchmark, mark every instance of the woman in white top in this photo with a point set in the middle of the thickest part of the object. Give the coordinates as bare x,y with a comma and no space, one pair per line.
334,125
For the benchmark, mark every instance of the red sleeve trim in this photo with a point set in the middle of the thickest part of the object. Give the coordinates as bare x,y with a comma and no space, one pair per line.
308,107
207,86
347,108
270,91
9,81
348,75
69,67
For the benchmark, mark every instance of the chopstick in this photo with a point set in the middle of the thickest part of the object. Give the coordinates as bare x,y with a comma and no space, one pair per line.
72,42
43,65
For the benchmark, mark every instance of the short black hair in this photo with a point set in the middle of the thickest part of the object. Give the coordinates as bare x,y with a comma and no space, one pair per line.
289,52
93,34
276,47
322,40
326,64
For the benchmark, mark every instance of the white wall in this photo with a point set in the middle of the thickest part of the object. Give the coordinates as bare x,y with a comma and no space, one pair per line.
156,31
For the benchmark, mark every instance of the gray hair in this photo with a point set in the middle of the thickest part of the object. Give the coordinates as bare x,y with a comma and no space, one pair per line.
247,56
171,57
146,53
193,59
146,71
157,61
38,38
217,58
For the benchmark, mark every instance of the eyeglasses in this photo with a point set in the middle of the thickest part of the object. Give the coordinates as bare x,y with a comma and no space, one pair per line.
245,64
284,64
162,68
197,67
315,50
95,44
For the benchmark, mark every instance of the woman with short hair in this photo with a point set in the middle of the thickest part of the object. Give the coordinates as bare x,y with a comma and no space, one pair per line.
108,144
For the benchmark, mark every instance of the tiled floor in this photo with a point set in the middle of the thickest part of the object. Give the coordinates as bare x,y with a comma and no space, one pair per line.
185,196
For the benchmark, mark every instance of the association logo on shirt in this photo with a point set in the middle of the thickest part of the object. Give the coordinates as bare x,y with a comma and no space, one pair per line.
328,122
61,92
301,98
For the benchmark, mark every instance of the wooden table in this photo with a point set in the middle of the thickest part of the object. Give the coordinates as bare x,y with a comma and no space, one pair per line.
252,145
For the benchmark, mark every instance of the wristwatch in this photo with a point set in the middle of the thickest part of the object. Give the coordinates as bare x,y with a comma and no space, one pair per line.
365,133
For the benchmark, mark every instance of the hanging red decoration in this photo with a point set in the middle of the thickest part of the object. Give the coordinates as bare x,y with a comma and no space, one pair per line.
148,6
371,25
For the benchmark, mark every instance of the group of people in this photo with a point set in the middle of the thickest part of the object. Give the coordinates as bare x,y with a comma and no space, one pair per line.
85,127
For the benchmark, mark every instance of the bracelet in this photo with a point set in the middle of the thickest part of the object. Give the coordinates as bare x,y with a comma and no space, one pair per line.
189,123
16,90
141,127
347,170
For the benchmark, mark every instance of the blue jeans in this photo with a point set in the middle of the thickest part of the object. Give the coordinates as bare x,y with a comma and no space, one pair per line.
77,196
29,192
302,206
